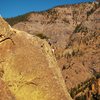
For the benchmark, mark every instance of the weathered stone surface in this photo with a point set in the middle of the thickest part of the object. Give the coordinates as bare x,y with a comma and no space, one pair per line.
5,93
74,34
28,67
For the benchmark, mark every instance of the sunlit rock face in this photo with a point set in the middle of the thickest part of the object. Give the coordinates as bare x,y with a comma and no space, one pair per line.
28,68
5,93
74,34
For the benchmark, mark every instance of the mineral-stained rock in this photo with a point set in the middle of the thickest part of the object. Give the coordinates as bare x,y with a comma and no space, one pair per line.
5,93
28,67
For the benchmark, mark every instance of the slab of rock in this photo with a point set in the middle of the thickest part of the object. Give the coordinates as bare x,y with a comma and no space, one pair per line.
28,67
5,93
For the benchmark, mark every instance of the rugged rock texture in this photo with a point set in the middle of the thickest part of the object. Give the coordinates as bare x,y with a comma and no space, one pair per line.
74,34
83,49
28,69
5,93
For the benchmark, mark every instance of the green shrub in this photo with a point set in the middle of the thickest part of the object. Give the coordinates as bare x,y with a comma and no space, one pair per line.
42,36
14,20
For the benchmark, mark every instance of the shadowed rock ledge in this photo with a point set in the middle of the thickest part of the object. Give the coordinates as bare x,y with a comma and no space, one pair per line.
28,68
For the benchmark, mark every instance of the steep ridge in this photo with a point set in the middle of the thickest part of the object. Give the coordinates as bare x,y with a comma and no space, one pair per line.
56,24
28,69
73,32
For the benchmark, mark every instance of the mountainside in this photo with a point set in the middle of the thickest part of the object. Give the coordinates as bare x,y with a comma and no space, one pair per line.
28,69
73,32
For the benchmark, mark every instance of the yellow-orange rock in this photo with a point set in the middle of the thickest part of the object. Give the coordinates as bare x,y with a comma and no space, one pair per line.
5,93
28,67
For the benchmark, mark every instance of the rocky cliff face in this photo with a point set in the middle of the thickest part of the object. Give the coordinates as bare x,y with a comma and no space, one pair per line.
74,34
28,69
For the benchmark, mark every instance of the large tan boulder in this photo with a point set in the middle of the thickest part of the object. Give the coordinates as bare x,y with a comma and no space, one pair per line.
28,67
